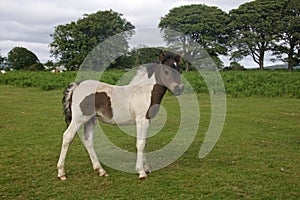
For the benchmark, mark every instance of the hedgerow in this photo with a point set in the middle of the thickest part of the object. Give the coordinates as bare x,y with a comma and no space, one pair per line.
251,83
42,80
262,83
237,83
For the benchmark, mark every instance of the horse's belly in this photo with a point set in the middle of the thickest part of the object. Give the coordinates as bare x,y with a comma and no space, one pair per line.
122,117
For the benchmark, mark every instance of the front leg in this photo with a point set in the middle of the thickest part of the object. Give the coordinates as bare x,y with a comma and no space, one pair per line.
142,130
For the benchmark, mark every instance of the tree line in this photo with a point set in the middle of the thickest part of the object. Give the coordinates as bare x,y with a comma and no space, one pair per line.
253,29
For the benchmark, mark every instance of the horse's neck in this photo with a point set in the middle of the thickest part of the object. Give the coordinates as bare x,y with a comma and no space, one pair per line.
157,90
142,78
157,94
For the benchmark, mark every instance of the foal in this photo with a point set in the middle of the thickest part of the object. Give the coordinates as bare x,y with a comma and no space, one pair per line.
135,103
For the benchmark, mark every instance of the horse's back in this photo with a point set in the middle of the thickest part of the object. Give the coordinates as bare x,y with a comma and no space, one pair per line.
89,87
113,104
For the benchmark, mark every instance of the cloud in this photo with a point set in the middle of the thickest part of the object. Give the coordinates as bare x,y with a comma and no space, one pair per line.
36,12
28,23
14,30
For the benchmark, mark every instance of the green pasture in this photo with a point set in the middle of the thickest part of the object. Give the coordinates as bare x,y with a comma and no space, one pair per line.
256,157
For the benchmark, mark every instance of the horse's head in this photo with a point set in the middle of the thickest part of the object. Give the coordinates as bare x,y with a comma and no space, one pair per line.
169,72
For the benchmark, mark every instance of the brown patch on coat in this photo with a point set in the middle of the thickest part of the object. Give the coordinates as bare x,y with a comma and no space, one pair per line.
87,105
97,103
103,105
157,94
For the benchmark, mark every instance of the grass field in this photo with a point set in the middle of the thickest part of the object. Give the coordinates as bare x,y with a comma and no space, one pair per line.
256,157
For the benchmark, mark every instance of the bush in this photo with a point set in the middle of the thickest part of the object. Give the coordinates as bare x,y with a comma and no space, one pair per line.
36,67
237,83
234,66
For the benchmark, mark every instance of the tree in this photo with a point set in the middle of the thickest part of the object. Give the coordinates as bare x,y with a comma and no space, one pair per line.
137,56
200,24
145,55
2,59
74,41
20,58
288,34
253,26
49,64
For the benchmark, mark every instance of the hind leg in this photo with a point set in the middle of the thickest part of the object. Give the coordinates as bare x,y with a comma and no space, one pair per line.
68,137
88,141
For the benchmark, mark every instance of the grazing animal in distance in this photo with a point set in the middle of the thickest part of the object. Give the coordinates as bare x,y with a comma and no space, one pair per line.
135,103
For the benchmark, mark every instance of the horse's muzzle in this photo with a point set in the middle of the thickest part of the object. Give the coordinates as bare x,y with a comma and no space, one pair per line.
178,89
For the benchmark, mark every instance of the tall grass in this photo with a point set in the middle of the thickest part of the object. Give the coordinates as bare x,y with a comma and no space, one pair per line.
262,83
237,83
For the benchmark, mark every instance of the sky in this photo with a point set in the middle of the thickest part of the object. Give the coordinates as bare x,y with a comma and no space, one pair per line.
29,23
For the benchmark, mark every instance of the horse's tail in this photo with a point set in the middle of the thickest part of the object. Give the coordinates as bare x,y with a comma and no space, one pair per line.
67,101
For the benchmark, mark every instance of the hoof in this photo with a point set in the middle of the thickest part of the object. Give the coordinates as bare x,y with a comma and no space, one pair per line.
62,178
147,169
142,178
102,172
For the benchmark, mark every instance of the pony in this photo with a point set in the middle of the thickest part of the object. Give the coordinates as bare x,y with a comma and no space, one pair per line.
135,103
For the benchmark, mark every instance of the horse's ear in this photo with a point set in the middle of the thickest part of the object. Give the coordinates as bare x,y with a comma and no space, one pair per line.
161,56
177,58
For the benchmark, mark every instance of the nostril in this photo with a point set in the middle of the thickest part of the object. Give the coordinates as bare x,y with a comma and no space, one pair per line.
178,89
181,89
